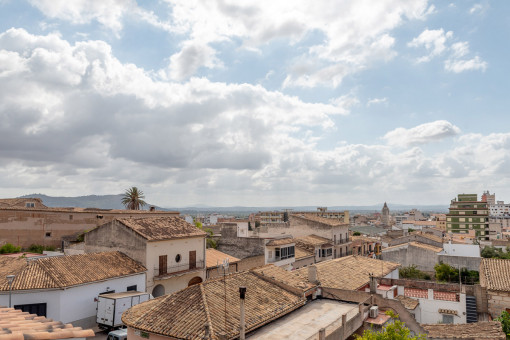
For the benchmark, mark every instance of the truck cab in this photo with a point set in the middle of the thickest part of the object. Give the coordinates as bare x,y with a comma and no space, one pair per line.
119,334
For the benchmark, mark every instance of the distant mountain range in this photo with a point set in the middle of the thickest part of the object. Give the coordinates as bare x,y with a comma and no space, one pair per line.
114,202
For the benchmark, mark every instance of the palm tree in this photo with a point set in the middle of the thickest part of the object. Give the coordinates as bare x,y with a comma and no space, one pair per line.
133,199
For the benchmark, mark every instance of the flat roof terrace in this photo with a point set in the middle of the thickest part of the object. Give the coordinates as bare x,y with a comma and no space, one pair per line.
305,322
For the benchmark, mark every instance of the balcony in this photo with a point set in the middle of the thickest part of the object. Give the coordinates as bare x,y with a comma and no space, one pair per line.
342,241
180,269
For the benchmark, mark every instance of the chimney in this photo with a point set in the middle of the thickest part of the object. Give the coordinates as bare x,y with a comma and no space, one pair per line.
312,274
373,284
242,293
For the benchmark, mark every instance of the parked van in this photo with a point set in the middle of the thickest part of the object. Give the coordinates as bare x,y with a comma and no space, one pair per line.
119,334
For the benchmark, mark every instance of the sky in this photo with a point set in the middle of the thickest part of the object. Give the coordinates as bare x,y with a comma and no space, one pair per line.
256,103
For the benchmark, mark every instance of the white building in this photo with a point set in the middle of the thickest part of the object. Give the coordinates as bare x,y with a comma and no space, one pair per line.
280,252
499,209
172,249
66,288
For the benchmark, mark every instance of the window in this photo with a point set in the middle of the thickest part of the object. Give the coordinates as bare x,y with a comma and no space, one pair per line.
162,264
284,253
70,217
178,258
47,234
30,205
327,252
131,288
447,318
33,308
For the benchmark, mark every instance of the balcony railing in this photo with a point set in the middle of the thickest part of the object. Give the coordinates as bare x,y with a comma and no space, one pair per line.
343,241
178,269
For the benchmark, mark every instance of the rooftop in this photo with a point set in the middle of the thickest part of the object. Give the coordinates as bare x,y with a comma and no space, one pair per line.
408,302
60,272
467,250
280,242
476,330
350,272
161,228
495,274
307,321
312,216
280,275
301,253
311,241
368,230
215,257
16,325
185,313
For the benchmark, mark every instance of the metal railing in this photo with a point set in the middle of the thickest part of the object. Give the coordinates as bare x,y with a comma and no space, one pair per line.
343,241
180,268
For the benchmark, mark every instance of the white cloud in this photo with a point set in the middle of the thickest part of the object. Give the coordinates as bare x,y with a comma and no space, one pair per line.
356,33
457,65
375,101
434,41
99,126
421,134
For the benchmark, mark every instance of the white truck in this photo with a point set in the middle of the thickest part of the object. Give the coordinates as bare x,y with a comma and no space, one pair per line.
111,306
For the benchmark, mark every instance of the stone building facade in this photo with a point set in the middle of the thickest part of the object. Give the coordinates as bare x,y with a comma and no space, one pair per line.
27,221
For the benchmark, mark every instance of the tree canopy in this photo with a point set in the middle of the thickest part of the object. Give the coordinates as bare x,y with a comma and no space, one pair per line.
393,331
133,199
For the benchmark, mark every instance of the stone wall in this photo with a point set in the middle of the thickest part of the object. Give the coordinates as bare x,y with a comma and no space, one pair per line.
471,263
497,302
423,259
240,247
114,236
47,226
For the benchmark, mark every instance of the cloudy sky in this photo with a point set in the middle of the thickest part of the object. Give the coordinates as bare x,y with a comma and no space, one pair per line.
226,102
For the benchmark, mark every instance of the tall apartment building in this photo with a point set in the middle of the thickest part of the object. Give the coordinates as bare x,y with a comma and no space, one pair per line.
467,213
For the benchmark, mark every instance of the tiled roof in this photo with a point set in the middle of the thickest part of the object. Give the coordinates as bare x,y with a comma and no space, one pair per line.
416,293
16,325
328,221
302,253
280,242
161,228
214,257
408,302
58,272
276,273
495,274
350,272
20,202
184,314
402,245
446,296
426,246
476,330
364,239
429,236
311,241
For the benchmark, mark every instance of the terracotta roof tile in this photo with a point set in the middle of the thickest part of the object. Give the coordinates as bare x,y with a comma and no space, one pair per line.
426,246
185,313
214,257
301,253
161,228
323,220
65,271
350,272
311,241
280,242
408,302
477,330
495,274
286,277
16,324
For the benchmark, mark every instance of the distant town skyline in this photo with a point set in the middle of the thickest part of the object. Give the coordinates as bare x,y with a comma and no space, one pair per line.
255,103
